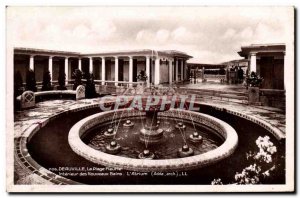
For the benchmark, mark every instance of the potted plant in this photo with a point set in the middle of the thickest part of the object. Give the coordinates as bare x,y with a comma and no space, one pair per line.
18,88
18,84
142,77
46,81
30,81
253,82
61,81
77,75
90,89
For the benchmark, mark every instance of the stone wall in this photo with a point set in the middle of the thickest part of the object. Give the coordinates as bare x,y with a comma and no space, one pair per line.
272,98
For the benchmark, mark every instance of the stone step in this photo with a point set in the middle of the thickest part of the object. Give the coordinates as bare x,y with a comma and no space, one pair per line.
242,101
234,96
215,93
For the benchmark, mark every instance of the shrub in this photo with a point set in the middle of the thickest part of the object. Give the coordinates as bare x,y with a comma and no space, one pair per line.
90,90
46,81
18,89
18,84
253,80
30,81
77,75
142,76
61,81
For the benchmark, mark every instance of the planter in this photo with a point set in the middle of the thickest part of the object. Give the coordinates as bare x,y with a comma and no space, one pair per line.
253,95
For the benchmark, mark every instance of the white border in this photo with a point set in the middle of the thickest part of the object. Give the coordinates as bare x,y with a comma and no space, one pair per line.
188,188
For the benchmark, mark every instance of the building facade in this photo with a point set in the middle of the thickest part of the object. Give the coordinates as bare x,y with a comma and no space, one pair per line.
167,66
268,62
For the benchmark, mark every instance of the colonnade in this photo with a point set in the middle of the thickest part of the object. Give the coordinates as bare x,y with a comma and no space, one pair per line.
157,73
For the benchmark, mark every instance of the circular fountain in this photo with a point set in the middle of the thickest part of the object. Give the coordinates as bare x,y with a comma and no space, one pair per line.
101,139
145,143
135,154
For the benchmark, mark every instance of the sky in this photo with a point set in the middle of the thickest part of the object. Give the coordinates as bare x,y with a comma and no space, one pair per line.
209,34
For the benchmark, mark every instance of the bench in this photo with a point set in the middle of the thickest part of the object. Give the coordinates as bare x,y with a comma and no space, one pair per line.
29,98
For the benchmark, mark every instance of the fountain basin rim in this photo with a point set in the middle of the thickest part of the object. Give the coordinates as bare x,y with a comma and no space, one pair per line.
197,161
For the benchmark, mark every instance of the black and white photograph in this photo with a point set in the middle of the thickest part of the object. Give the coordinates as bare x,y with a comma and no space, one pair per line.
150,99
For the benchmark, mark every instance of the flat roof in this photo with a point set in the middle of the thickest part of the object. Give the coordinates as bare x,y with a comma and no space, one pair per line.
141,52
262,48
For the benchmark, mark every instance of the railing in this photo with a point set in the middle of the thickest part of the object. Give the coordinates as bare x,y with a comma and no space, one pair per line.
109,86
118,83
213,76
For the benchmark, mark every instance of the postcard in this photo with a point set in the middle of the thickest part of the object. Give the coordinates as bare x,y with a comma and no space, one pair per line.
150,99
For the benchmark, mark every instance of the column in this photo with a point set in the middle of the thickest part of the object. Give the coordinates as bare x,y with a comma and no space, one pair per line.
170,71
252,62
67,69
185,69
181,70
116,70
31,62
91,65
103,71
176,70
157,71
79,64
130,70
148,69
50,67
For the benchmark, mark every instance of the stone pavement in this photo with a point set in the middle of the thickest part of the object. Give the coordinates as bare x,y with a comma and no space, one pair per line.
273,116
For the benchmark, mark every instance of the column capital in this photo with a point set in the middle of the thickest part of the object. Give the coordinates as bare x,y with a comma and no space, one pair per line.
253,53
130,57
116,57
